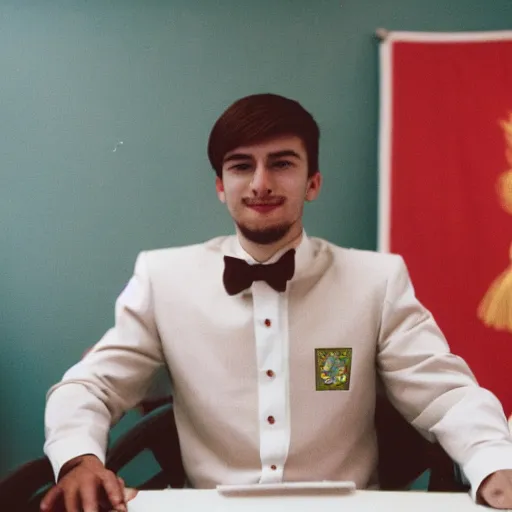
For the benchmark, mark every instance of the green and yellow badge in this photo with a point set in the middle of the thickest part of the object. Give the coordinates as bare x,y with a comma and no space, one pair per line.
333,368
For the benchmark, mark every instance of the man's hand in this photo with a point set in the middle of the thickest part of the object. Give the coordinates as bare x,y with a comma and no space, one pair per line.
85,484
496,489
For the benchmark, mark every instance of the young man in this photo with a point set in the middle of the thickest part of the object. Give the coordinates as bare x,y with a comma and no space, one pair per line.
274,341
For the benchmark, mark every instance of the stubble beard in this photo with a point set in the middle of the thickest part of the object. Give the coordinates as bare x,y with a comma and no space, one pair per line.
268,235
265,236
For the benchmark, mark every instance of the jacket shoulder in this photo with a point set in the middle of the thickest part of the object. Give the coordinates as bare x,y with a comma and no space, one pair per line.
185,256
367,261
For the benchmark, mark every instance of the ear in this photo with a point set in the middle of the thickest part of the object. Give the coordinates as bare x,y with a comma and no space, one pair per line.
219,188
314,186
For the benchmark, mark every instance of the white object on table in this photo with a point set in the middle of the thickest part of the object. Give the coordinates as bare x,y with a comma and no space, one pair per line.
211,500
287,488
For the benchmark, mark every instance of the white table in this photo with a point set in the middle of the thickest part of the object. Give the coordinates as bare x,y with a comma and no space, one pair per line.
360,501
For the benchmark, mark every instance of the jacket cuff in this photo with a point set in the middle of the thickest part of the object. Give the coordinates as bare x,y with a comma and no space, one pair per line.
485,462
61,452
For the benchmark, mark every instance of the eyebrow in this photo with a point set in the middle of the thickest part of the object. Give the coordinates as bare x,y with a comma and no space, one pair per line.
237,156
285,152
277,154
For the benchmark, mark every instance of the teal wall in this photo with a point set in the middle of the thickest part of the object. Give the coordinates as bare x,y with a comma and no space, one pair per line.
78,76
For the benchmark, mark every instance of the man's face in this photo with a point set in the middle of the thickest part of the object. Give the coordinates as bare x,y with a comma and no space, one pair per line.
264,187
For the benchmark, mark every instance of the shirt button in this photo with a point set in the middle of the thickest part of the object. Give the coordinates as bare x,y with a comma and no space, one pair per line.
270,373
271,420
273,467
268,323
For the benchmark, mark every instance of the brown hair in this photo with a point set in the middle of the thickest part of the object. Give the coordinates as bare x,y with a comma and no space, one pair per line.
259,117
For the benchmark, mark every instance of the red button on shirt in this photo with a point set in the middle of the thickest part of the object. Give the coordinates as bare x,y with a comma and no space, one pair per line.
270,373
268,323
271,420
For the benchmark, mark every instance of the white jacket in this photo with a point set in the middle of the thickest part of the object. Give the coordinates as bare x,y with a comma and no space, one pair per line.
252,396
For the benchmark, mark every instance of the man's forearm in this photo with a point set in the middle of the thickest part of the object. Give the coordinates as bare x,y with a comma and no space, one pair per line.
76,423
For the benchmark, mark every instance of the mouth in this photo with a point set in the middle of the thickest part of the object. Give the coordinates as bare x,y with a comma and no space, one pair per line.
264,206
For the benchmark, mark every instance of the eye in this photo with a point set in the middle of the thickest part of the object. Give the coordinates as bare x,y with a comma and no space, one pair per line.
241,167
282,164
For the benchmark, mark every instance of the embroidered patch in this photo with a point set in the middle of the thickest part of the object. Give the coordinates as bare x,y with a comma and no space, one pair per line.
333,368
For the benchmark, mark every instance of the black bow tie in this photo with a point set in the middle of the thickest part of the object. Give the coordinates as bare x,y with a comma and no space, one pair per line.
239,275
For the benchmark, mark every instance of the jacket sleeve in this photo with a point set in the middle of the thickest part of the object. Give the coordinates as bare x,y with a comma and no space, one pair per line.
111,379
434,389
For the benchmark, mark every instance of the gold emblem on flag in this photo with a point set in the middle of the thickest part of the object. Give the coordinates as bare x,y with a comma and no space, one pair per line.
495,309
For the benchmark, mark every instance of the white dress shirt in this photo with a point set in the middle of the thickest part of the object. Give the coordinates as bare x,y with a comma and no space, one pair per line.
272,349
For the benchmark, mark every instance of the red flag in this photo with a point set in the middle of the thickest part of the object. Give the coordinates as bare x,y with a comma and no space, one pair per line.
446,187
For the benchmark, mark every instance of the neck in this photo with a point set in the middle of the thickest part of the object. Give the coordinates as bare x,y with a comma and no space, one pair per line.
262,253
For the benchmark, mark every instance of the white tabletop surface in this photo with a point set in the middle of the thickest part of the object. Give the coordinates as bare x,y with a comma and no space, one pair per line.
358,501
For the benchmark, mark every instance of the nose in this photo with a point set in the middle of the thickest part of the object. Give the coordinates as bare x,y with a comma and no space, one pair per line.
261,182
